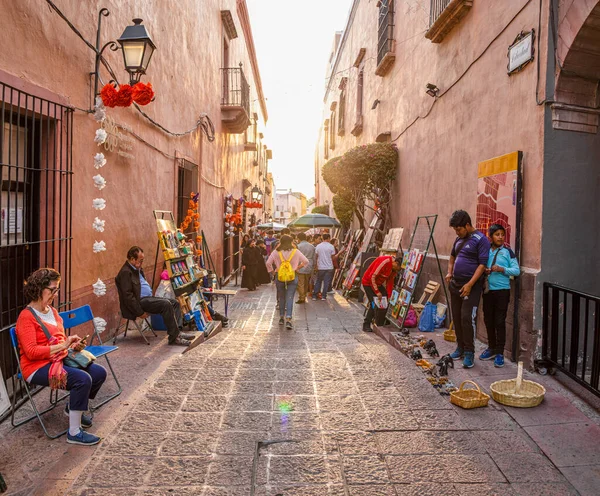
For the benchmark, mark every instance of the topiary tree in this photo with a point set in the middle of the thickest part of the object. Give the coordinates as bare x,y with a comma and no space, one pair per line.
344,210
321,209
363,176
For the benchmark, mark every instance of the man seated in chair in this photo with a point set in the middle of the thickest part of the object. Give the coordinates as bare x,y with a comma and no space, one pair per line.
136,300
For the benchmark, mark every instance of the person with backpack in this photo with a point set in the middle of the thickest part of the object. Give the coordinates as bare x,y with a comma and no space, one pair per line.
502,265
285,261
466,267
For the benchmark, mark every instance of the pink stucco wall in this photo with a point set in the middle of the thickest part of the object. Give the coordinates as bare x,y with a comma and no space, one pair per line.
485,114
39,48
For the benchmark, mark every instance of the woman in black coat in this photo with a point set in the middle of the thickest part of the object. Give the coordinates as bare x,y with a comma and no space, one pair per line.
251,258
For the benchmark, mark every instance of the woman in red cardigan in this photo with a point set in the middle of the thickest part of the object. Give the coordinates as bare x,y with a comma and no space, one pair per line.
42,358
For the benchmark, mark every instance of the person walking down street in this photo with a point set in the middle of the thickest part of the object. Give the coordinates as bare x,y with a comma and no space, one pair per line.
378,282
286,261
43,345
253,265
502,265
136,300
336,263
269,241
305,273
245,241
466,267
324,253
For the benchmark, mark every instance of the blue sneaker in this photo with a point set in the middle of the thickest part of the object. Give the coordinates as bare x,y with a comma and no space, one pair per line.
86,420
499,361
457,354
468,360
487,355
83,438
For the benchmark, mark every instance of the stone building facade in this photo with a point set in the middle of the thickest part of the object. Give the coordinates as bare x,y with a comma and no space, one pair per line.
205,67
432,77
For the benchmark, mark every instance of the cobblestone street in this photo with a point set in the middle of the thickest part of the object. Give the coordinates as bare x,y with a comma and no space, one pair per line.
324,409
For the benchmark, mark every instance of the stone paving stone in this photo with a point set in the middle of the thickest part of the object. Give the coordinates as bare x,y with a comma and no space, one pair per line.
132,443
170,491
124,471
211,387
293,421
585,479
179,374
553,438
384,420
505,442
239,443
189,444
301,443
543,489
148,422
303,469
427,442
365,469
207,403
345,421
246,421
484,490
352,443
527,467
286,375
230,471
341,403
555,409
295,403
256,374
372,490
215,374
388,401
160,404
425,489
443,468
196,422
91,491
254,387
485,418
335,387
241,402
295,387
225,491
179,388
180,471
444,420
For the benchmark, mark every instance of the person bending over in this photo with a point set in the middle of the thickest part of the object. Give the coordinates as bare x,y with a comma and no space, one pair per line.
136,300
378,281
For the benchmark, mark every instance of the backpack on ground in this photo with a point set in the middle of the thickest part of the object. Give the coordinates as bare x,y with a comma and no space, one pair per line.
286,273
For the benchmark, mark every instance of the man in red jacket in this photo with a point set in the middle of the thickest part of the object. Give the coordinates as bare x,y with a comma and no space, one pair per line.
378,281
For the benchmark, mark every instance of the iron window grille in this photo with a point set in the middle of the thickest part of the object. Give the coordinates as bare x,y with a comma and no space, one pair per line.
386,29
437,7
236,90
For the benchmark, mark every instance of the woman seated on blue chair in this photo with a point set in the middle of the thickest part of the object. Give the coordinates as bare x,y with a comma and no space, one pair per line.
42,358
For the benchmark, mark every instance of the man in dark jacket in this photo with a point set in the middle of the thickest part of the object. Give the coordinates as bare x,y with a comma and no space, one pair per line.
136,300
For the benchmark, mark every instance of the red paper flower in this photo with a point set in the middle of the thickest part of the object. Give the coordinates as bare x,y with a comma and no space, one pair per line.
124,96
142,93
109,95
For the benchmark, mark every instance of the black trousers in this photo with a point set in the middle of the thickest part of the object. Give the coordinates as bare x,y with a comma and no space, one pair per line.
495,307
464,313
169,310
371,297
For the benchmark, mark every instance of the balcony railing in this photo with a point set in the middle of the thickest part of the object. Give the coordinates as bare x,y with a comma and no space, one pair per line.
385,41
235,100
437,7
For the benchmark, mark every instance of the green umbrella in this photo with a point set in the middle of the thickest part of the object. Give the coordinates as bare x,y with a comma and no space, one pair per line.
314,220
272,225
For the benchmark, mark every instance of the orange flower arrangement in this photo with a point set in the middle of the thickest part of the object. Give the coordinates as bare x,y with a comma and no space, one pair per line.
109,95
124,96
142,93
192,214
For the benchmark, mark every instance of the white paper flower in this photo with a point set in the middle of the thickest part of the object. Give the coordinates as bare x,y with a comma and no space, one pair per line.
226,224
99,203
99,160
99,288
99,110
100,324
98,224
99,181
227,232
101,136
99,246
228,210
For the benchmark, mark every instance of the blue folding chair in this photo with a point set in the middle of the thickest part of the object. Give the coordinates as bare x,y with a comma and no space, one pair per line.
81,315
54,397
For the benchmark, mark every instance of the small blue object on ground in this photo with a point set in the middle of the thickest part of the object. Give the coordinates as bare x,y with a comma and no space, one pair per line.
499,361
487,355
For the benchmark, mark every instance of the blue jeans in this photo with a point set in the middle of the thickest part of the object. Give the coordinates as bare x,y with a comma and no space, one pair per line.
285,296
84,384
324,278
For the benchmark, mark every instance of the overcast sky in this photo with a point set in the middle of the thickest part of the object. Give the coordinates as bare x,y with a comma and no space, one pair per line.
292,41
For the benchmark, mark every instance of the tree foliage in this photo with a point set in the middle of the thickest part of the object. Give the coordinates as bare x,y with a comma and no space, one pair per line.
344,210
321,209
363,176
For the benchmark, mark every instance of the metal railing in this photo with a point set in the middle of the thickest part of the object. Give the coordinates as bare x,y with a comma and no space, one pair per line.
386,29
571,334
236,90
36,171
437,7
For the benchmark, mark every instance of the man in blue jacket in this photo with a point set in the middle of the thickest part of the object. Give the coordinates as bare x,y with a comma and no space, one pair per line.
467,264
502,265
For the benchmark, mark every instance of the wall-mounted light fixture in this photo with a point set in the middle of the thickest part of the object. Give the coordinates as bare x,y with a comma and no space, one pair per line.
137,48
432,90
375,103
255,192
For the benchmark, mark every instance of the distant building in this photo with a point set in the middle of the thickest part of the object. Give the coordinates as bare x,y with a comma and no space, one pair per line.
288,206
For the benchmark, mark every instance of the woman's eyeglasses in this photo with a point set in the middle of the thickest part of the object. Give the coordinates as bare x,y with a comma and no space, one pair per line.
53,290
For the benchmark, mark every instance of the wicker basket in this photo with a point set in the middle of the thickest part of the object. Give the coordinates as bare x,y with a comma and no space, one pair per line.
449,334
518,392
469,398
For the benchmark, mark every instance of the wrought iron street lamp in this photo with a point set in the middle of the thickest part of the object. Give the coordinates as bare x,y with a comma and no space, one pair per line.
260,195
255,193
137,48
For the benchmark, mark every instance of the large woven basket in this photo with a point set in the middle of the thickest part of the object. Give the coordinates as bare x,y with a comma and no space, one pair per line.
469,398
518,392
